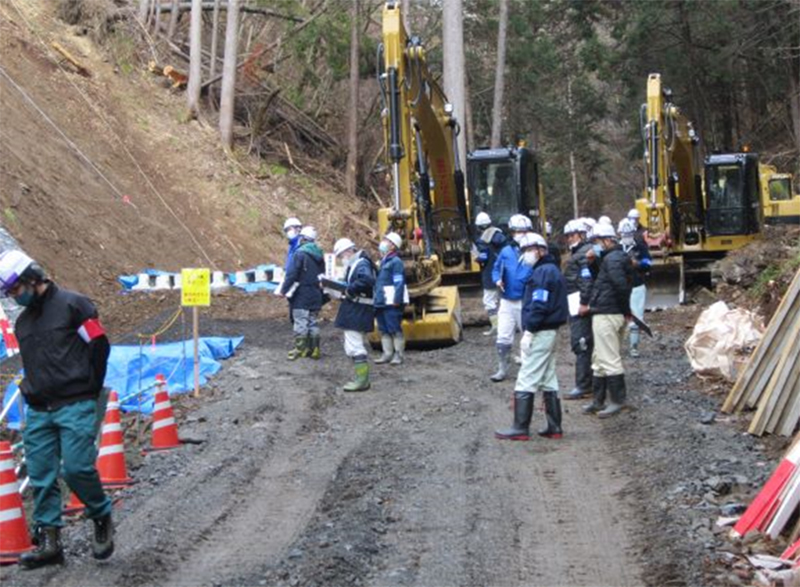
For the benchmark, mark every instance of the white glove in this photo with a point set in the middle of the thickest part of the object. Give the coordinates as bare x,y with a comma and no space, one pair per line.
526,343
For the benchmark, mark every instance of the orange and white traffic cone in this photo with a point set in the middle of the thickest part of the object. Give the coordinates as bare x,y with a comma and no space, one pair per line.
111,458
165,431
14,536
73,506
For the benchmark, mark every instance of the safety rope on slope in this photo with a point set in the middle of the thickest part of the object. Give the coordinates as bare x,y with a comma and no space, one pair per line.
164,327
114,133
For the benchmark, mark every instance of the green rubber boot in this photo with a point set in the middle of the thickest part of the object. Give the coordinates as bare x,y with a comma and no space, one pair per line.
313,347
361,380
300,348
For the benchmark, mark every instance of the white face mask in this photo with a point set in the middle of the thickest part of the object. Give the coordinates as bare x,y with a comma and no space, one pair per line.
530,257
291,233
518,236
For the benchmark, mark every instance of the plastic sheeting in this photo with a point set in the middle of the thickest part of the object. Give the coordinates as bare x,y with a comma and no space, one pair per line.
129,282
131,369
719,337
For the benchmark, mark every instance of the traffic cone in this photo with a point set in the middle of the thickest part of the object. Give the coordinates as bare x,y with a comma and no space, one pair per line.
111,458
74,505
14,536
165,431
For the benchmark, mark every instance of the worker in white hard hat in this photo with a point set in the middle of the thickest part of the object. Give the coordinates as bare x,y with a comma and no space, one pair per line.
391,296
291,228
544,311
642,262
635,217
64,351
302,287
489,243
356,315
610,308
579,274
510,275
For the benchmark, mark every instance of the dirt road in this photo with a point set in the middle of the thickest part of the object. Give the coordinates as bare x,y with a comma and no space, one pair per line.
295,483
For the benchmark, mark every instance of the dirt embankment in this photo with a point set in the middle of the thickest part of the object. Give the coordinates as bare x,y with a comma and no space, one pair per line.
100,176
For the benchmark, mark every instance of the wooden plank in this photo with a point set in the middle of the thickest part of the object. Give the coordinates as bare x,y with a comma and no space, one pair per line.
785,377
774,398
738,392
789,421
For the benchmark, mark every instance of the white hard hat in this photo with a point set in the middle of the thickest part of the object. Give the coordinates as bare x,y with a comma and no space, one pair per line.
604,230
532,239
483,219
395,239
605,220
342,245
589,221
575,226
519,223
626,227
309,233
13,264
634,213
548,228
291,223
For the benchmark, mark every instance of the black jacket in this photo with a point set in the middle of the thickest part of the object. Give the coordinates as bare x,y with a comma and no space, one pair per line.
64,350
489,245
356,312
611,293
640,253
544,304
301,284
579,274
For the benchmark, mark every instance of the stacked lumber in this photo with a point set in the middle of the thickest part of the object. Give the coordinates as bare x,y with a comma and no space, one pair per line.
770,381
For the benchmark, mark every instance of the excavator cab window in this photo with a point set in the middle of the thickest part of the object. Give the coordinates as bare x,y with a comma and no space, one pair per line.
493,189
780,189
731,191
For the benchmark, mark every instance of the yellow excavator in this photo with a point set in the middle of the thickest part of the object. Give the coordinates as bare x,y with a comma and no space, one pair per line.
428,199
690,220
781,204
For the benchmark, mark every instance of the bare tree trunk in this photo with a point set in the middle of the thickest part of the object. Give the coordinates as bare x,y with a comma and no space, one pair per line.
195,58
173,20
212,65
454,73
352,127
499,75
794,88
572,171
144,10
406,8
157,19
227,96
469,123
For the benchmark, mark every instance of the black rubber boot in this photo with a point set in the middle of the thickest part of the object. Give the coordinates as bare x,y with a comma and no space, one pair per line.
617,393
523,412
103,541
48,550
552,411
314,351
300,349
598,396
576,394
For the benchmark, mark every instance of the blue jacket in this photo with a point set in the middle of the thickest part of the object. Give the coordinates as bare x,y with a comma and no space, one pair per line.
509,267
639,252
294,244
356,311
545,306
489,245
390,273
303,276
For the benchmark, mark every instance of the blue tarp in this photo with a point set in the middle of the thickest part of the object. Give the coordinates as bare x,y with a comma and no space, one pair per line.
126,367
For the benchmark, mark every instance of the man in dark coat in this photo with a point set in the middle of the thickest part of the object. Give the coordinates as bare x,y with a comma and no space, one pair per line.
544,311
610,307
301,285
579,275
356,314
490,242
391,296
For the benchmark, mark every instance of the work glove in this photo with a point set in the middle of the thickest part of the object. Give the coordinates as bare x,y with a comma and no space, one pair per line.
526,344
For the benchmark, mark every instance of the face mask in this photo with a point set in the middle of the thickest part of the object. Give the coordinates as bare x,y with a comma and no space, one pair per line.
349,260
383,248
598,250
25,298
530,257
626,241
291,233
518,236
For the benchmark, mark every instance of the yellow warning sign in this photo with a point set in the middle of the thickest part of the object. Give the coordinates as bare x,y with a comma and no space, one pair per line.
195,287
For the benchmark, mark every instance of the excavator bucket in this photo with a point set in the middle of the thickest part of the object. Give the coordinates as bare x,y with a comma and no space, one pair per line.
665,285
433,320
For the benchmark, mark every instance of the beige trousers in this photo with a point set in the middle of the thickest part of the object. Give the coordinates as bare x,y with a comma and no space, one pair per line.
607,331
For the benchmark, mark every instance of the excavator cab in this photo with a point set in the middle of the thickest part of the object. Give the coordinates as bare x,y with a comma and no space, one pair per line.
733,200
504,182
